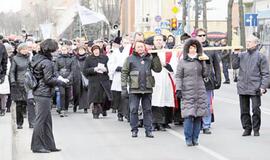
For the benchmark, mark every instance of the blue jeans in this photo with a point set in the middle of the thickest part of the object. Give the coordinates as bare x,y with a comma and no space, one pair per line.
192,127
134,102
207,119
58,99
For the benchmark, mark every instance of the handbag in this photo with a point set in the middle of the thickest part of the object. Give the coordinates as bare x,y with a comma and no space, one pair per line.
85,81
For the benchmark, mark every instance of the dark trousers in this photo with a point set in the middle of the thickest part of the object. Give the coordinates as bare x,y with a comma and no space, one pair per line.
168,114
65,97
134,102
192,127
158,115
31,111
225,67
249,123
42,137
117,103
9,101
20,110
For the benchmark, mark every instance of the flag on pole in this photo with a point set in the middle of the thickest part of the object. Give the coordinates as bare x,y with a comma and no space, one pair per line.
88,17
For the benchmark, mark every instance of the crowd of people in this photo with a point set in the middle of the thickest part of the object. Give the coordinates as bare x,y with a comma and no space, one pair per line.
135,77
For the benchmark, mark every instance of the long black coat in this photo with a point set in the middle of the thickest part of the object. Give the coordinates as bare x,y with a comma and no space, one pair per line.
99,84
19,65
3,60
79,91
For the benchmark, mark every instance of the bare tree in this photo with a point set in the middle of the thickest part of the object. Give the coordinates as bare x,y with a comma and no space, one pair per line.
196,13
229,23
241,24
204,14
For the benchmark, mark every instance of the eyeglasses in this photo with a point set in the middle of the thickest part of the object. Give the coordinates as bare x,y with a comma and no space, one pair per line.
202,35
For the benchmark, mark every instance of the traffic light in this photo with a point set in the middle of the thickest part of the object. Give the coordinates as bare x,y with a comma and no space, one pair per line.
174,23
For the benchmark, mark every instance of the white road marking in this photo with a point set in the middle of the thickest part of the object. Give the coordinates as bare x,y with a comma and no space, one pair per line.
201,147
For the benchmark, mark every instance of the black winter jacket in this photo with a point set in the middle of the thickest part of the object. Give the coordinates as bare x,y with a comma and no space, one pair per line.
44,72
64,66
3,61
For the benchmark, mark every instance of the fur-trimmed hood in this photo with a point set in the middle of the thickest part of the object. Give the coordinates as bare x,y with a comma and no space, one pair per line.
190,42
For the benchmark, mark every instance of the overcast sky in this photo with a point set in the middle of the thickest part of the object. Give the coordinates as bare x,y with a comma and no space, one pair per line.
10,5
219,8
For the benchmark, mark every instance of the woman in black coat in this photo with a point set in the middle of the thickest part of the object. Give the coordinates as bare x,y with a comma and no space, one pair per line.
80,82
42,138
96,70
19,65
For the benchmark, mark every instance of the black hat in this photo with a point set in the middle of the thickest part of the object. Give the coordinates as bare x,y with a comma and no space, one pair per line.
117,40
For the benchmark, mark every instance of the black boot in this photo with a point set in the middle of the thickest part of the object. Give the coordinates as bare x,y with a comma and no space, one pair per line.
246,133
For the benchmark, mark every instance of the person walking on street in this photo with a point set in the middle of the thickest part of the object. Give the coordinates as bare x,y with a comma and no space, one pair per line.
190,88
18,69
4,82
99,88
214,80
253,79
137,71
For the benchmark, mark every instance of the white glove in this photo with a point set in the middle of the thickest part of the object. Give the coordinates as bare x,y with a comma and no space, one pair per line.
96,69
103,69
65,80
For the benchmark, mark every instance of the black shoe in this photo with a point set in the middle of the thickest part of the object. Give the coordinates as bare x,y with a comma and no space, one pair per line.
61,114
161,128
104,113
31,126
42,151
207,131
226,82
256,133
114,111
2,112
235,79
55,150
195,142
134,134
58,111
74,109
19,127
149,134
167,126
246,133
85,111
120,119
95,116
8,110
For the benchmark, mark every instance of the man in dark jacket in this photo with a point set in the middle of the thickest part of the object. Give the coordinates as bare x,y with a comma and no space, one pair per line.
64,66
253,79
137,71
3,62
213,81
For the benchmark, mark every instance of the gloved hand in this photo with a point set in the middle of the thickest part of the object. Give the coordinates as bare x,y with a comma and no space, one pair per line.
179,94
103,69
31,101
96,69
2,79
118,69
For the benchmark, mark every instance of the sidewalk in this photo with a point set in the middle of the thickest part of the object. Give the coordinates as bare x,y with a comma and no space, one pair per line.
6,137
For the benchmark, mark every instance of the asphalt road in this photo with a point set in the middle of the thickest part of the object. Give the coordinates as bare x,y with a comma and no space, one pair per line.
82,138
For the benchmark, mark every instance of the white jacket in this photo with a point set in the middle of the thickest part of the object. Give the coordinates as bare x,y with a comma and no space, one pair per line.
5,87
117,59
